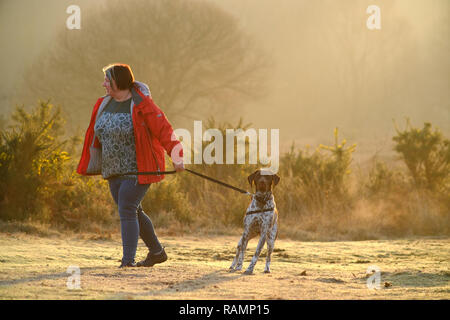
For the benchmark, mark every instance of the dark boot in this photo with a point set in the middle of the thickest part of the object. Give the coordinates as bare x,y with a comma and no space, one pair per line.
129,264
153,259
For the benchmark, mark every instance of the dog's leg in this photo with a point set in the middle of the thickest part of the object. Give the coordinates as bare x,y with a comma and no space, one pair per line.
261,243
270,245
245,239
238,252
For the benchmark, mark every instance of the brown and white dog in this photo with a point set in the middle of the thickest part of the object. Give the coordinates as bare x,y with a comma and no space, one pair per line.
261,218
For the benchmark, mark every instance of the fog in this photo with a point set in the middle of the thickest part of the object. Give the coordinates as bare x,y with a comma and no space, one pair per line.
329,70
333,71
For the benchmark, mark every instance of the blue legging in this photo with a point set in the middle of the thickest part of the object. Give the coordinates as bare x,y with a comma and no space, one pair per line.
128,194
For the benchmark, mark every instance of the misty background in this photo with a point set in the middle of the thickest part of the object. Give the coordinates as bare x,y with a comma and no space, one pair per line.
322,67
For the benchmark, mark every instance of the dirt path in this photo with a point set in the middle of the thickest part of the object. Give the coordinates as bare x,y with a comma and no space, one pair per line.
36,268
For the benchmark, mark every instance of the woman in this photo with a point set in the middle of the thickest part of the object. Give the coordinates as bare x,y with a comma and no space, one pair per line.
132,133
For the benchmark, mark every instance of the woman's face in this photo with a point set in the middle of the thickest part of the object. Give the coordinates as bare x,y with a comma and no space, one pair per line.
110,86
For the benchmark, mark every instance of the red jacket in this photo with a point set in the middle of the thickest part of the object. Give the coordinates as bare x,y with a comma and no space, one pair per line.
145,114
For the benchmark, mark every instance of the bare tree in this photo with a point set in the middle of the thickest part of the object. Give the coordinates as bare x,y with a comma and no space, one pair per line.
194,56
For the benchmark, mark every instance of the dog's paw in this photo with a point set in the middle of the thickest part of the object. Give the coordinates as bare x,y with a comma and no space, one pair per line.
248,272
266,271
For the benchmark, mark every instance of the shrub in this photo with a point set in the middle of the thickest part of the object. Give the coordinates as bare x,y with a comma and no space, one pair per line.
167,198
31,160
319,181
383,181
426,154
38,177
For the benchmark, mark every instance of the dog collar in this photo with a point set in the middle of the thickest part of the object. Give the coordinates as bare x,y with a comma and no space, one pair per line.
259,211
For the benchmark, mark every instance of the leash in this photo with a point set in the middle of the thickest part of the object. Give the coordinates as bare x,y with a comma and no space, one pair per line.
219,182
193,172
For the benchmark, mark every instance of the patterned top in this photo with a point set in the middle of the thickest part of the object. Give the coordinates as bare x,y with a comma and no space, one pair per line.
114,129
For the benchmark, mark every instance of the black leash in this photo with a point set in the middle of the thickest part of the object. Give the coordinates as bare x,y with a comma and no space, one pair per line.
154,173
149,173
219,182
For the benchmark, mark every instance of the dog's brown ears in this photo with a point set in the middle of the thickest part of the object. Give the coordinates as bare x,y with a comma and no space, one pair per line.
252,177
275,179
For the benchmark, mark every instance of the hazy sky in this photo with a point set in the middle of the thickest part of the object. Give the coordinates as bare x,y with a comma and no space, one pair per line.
329,69
294,32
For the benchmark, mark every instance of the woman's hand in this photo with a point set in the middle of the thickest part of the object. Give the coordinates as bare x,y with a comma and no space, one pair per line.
178,166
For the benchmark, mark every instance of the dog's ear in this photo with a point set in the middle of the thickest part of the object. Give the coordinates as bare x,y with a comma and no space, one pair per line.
275,179
252,177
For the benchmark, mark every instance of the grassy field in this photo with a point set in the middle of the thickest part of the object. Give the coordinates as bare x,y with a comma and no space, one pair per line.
33,267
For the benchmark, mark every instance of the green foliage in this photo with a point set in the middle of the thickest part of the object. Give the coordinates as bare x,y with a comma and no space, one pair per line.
383,181
82,203
31,160
319,179
426,153
38,180
167,198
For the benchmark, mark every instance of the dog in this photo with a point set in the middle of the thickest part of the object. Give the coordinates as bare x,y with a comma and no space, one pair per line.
261,218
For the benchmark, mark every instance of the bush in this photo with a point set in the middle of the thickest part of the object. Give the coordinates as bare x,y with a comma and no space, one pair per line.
166,198
426,154
318,181
38,180
383,181
83,204
409,203
31,160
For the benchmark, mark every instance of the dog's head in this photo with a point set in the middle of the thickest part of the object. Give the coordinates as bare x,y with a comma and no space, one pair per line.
264,180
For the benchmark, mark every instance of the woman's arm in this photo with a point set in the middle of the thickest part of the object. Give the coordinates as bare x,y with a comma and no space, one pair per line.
161,128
